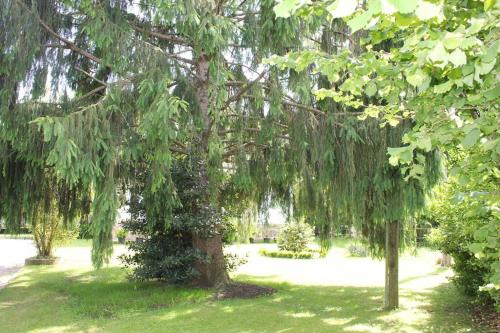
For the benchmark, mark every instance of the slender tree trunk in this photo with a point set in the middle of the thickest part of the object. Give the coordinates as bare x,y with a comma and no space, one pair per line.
214,272
445,260
391,299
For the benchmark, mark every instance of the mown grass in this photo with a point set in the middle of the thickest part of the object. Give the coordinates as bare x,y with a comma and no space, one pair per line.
79,299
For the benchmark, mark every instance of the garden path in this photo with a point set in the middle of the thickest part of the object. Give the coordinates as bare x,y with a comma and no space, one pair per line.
12,255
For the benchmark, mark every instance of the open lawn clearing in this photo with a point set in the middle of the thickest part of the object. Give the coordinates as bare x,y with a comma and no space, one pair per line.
335,294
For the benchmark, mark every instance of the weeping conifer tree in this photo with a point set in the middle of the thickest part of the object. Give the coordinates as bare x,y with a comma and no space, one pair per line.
345,176
149,82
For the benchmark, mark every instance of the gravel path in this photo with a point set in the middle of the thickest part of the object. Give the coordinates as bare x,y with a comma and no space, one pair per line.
12,255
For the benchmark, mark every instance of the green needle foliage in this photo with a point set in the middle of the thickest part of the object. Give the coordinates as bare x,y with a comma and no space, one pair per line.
104,88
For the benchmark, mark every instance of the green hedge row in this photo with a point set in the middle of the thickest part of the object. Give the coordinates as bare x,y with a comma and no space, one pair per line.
308,254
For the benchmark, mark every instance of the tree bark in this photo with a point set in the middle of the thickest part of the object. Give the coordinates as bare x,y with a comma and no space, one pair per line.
445,260
391,299
213,273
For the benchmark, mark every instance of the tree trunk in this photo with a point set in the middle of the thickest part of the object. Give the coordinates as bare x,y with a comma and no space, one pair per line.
445,260
391,299
213,273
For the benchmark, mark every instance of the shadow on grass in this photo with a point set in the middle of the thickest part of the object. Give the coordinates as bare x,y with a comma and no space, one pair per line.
70,301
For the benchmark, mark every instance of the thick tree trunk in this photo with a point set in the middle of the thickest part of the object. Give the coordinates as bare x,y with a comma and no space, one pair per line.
213,273
391,299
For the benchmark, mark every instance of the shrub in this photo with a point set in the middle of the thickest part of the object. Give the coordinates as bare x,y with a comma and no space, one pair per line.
232,261
308,254
294,237
121,234
84,229
357,250
462,220
230,232
49,230
165,249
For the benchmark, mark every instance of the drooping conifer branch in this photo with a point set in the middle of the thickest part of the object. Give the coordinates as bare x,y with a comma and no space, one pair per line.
72,46
168,37
242,90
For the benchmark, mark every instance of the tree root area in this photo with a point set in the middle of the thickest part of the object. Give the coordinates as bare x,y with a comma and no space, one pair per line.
242,290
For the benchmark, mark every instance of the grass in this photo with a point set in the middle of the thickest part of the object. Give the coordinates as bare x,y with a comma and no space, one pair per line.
74,298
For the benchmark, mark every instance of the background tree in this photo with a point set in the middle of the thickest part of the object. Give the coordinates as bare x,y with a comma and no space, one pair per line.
439,73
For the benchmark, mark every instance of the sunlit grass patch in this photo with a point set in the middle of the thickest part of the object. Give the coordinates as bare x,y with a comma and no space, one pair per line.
72,297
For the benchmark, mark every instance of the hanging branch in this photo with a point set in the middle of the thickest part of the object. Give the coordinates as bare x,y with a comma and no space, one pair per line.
171,38
249,129
92,92
233,151
72,46
242,91
90,76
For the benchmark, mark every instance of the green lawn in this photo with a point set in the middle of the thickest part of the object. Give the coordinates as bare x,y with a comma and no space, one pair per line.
74,298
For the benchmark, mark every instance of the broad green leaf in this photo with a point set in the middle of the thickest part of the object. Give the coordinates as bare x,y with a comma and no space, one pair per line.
417,78
285,8
443,88
370,89
484,68
488,4
471,138
424,143
438,54
404,6
404,20
374,6
400,155
476,247
426,10
476,24
493,94
481,234
458,58
360,21
342,8
469,80
491,53
452,40
467,69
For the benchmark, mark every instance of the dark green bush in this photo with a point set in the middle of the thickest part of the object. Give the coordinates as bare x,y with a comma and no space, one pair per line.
84,229
295,237
164,250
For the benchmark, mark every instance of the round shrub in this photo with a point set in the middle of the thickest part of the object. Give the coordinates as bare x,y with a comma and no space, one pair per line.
294,237
357,250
